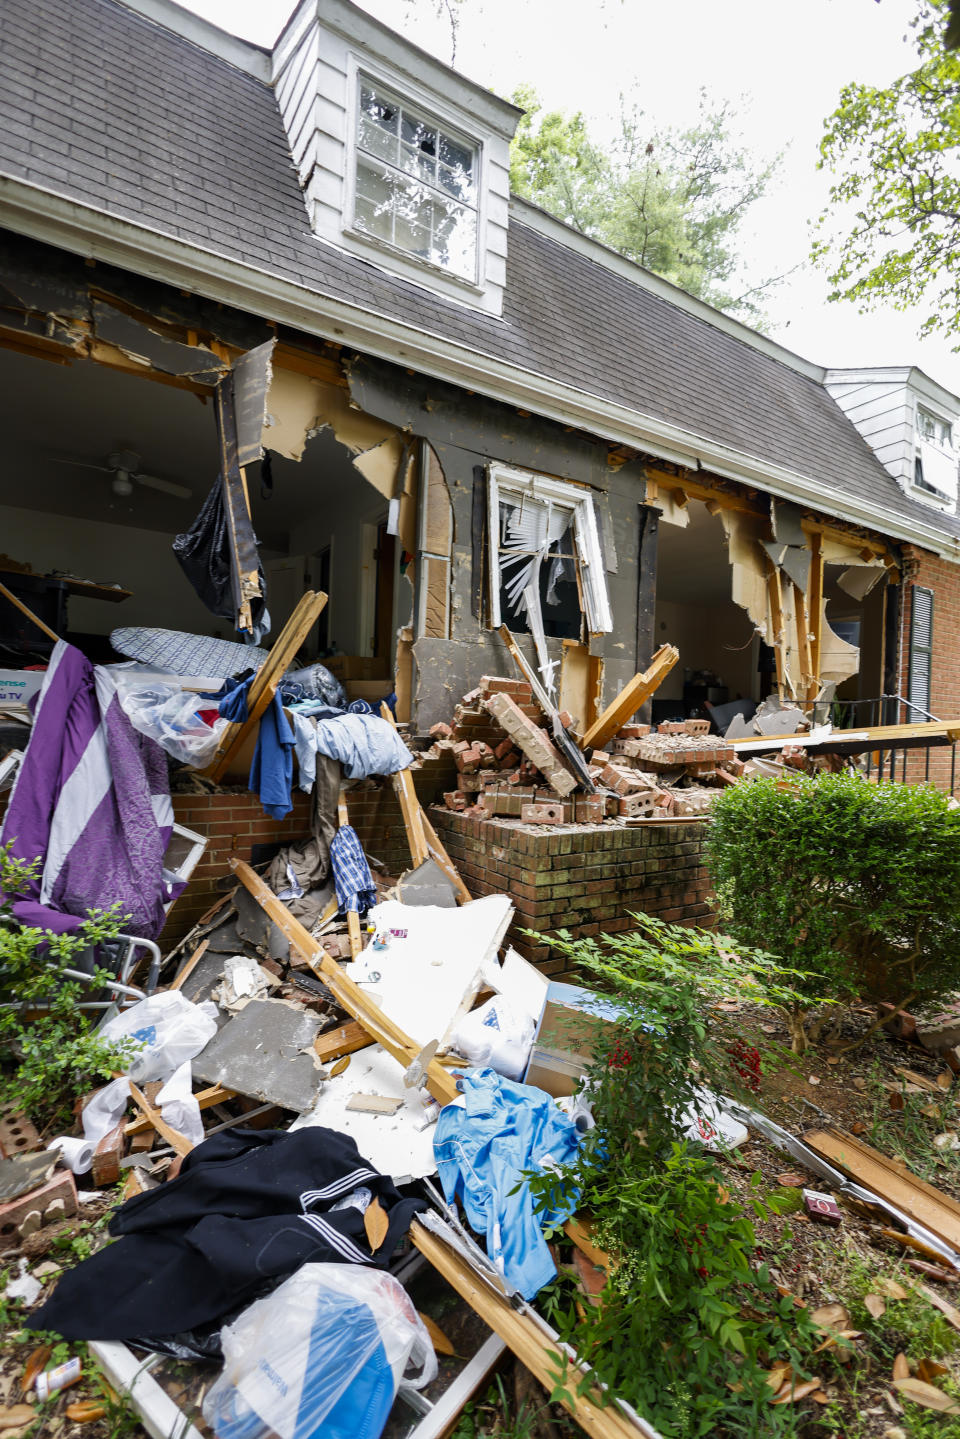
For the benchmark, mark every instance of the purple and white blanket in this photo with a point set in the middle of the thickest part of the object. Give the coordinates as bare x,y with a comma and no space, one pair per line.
92,803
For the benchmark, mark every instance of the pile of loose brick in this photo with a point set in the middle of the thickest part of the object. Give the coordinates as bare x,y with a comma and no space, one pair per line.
508,765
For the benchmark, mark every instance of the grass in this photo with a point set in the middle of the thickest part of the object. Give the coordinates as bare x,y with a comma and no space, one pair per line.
908,1133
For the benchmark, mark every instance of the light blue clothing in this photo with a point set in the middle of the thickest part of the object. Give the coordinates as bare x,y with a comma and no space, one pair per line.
482,1150
305,744
364,745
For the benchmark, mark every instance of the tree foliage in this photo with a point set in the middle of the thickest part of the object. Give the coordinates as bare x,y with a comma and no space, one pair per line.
672,200
855,884
895,203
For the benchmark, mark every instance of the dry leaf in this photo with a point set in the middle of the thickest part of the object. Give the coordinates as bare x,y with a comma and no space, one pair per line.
833,1059
944,1079
86,1411
890,1289
819,1397
800,1391
341,1064
831,1316
875,1306
438,1339
376,1224
17,1415
35,1364
779,1375
901,1367
791,1180
723,1194
929,1369
926,1395
896,1100
859,1082
858,1127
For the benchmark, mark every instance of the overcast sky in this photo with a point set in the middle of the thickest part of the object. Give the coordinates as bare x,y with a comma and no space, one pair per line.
781,63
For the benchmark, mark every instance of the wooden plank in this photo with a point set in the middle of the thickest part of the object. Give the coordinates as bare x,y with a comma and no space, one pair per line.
526,1339
206,1098
348,995
803,640
629,700
816,613
409,804
346,1039
888,1177
872,736
694,490
18,604
191,964
775,606
174,1138
265,682
436,847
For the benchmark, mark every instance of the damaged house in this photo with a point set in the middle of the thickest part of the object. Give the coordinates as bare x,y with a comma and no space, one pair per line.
297,279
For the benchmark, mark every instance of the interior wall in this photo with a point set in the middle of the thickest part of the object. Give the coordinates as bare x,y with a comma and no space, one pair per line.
139,560
716,637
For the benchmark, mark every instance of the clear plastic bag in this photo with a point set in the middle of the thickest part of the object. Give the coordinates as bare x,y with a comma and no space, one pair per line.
169,1029
498,1034
169,715
322,1357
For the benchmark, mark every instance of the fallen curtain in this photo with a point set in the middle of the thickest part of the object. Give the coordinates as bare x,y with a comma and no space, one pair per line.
91,802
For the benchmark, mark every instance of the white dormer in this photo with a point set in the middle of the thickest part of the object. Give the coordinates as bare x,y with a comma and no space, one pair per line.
910,422
402,160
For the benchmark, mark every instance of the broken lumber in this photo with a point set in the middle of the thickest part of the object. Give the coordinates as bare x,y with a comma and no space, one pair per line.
206,1098
264,684
174,1138
348,995
191,964
421,835
533,741
892,1180
18,604
630,698
345,1039
535,1346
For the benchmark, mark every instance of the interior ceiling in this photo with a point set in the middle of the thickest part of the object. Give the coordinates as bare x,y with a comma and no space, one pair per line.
83,411
693,567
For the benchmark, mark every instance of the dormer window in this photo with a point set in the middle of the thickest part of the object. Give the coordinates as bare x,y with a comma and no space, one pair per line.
935,460
416,183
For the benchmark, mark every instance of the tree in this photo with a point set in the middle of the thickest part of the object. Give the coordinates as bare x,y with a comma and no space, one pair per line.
896,153
672,200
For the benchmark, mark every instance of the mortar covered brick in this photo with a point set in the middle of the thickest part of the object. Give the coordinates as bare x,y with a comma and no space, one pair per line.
586,879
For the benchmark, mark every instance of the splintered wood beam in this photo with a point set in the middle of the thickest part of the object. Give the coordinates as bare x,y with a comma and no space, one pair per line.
816,613
18,604
345,1039
348,995
534,1346
206,1098
443,859
775,603
174,1138
409,804
629,700
803,639
264,684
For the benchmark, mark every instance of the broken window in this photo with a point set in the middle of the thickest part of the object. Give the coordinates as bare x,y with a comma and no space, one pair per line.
546,569
415,183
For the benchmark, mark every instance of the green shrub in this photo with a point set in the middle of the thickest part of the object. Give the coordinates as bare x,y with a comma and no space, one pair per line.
690,1320
856,884
48,1051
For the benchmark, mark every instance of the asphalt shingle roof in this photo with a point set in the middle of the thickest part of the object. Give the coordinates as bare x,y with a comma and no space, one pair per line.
107,108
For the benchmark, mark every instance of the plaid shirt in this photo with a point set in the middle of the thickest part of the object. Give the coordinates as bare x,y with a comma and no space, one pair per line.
351,873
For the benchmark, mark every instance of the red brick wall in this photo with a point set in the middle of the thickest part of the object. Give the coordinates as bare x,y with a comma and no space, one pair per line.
943,578
586,879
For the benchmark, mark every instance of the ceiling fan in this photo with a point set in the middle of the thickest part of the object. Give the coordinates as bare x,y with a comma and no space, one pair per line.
124,466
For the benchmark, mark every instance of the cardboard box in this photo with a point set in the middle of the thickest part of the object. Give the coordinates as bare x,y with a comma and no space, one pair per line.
571,1020
357,667
19,685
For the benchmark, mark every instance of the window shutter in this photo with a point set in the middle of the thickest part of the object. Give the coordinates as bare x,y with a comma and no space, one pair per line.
921,649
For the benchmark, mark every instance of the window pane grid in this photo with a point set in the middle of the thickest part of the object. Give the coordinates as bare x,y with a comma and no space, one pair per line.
414,184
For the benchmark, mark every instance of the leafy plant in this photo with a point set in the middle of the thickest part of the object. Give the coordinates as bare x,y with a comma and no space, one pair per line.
688,1324
897,194
48,1050
858,883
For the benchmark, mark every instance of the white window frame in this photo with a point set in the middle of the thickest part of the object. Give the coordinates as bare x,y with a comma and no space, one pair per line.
929,492
395,257
504,482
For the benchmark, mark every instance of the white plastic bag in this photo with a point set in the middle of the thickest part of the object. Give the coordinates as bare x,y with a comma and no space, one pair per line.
322,1357
497,1034
178,1104
169,1029
168,715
